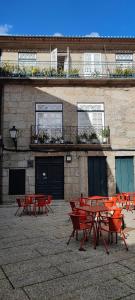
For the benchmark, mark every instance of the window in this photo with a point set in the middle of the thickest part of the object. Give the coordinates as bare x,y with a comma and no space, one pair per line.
27,58
16,181
90,117
49,118
124,57
92,64
124,60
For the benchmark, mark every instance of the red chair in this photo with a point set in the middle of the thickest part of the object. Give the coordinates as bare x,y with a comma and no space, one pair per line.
40,204
22,205
49,199
79,224
115,224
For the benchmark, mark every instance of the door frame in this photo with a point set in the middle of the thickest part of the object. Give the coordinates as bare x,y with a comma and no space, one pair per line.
47,157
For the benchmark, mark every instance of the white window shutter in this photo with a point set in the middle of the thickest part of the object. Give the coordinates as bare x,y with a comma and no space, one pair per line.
88,64
66,64
92,63
97,63
54,59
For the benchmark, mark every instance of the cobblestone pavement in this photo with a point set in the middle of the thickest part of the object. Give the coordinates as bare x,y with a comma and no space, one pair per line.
36,263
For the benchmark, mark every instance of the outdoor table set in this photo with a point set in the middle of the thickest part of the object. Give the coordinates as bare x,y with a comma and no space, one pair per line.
99,217
34,204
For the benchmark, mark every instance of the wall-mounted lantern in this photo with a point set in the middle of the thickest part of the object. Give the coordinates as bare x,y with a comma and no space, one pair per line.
13,134
68,157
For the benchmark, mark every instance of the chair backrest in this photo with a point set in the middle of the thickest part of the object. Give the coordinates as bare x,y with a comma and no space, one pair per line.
75,221
20,201
109,203
82,201
29,199
82,214
115,224
114,199
117,212
72,204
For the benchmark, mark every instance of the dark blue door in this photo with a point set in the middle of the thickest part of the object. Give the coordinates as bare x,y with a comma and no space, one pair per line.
50,176
97,176
124,174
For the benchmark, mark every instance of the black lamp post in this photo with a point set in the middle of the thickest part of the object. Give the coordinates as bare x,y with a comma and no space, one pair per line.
13,133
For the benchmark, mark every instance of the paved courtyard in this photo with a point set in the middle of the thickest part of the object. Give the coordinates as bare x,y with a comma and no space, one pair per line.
36,263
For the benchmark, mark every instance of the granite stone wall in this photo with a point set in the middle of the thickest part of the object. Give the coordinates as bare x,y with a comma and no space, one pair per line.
19,110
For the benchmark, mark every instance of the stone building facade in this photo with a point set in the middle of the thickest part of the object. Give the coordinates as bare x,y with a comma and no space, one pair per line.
75,96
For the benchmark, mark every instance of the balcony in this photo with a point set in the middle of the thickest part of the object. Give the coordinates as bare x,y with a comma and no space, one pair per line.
70,138
73,70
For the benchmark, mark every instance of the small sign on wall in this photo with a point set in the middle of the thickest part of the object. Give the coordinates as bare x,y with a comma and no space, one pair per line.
29,163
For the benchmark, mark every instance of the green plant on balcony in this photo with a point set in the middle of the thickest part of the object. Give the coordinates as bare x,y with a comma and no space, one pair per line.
50,72
22,71
35,71
83,138
128,72
28,71
93,138
61,73
43,138
74,73
53,140
105,132
7,69
96,74
119,72
35,138
59,140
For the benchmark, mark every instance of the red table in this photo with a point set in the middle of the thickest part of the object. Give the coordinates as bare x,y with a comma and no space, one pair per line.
96,211
96,199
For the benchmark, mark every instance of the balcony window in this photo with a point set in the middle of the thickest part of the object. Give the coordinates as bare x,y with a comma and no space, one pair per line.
49,119
92,64
90,118
27,58
124,60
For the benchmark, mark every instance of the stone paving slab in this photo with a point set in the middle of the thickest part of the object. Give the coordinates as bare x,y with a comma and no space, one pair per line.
128,279
130,263
74,267
12,257
107,290
17,294
39,275
2,275
111,290
5,284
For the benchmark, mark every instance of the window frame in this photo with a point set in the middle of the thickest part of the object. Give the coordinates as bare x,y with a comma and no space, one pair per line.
48,103
88,110
27,62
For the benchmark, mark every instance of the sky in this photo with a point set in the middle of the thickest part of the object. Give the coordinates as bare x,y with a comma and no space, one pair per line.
68,17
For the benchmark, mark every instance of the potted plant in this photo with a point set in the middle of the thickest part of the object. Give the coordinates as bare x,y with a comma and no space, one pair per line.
74,73
83,138
46,138
93,137
35,71
53,140
35,138
105,134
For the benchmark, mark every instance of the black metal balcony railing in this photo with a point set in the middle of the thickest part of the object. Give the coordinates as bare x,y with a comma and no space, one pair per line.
70,135
47,69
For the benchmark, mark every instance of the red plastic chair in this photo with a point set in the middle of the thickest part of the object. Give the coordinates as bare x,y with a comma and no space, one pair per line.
79,224
40,204
49,199
115,224
22,205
